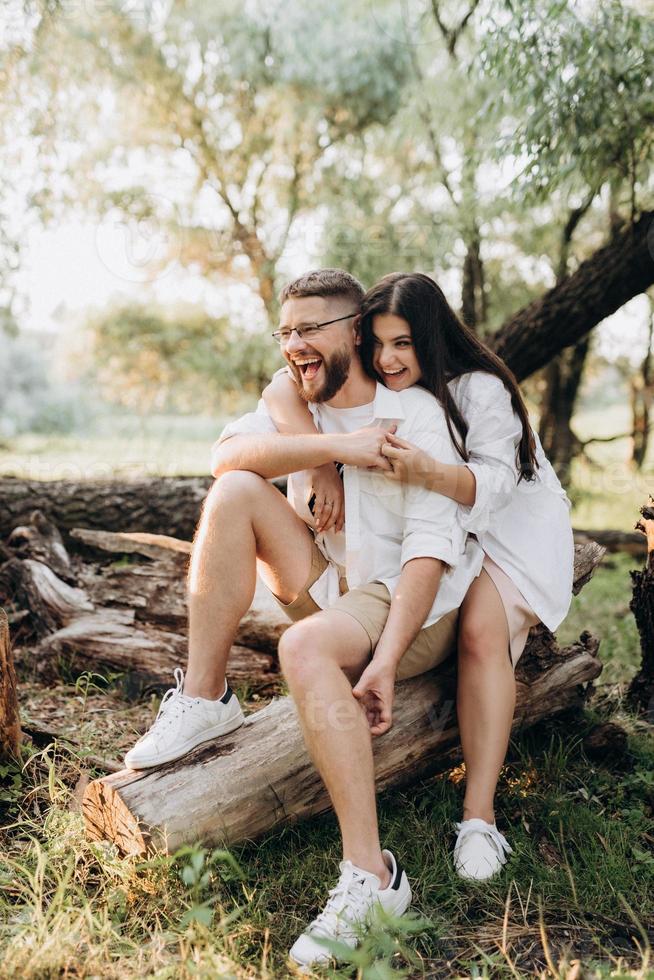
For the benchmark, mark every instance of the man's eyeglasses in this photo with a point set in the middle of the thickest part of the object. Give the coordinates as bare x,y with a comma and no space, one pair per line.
310,330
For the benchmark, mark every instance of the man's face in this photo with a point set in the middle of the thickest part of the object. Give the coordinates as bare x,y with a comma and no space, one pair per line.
321,365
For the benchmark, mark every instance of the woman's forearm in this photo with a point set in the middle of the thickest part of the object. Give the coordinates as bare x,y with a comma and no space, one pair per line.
453,480
287,410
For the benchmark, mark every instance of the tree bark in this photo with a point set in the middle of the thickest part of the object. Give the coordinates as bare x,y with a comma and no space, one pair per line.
129,618
562,379
10,733
164,504
641,690
629,542
260,777
642,395
566,313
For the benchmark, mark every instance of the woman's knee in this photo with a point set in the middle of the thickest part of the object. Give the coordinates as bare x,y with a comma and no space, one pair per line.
482,639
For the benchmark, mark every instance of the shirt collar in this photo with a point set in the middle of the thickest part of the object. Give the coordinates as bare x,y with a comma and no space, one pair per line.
387,404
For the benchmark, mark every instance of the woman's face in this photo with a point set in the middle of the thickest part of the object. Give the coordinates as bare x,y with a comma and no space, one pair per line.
394,357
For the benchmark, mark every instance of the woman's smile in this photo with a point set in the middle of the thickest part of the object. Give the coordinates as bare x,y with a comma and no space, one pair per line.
394,357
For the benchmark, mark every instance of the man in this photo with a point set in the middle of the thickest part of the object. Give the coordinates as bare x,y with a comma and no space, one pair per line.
402,557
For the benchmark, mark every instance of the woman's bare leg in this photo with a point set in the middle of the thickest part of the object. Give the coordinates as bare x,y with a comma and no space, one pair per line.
486,694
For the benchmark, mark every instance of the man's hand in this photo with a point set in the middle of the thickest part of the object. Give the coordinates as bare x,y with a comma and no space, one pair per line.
329,506
364,447
375,691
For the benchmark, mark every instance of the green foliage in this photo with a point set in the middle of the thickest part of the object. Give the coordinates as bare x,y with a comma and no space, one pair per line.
30,400
177,358
577,91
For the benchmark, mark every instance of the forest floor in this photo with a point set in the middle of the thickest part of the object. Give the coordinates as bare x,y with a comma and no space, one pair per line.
575,900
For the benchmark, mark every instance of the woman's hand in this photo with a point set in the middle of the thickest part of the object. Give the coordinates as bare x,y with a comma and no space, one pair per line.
375,691
329,506
409,464
364,447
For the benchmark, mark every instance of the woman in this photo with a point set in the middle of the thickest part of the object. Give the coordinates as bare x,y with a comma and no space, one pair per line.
509,497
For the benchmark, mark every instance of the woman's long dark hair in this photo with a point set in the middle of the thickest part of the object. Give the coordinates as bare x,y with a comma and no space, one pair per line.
445,348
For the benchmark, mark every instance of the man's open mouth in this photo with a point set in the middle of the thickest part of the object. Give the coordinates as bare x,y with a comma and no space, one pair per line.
308,366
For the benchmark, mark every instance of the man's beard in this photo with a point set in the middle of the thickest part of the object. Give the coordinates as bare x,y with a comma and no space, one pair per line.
336,372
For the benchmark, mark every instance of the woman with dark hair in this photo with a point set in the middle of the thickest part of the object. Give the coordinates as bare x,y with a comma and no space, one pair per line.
509,498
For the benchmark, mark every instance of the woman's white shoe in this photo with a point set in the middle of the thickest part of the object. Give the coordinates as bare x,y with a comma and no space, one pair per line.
480,850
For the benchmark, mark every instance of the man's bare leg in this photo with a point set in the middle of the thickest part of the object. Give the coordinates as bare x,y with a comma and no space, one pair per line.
244,518
321,656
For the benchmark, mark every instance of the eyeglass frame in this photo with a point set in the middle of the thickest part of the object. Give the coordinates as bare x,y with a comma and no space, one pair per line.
300,331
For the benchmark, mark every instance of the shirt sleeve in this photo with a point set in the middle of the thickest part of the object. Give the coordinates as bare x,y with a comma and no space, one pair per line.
494,431
431,528
253,424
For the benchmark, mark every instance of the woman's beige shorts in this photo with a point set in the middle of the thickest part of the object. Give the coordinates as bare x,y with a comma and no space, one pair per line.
370,605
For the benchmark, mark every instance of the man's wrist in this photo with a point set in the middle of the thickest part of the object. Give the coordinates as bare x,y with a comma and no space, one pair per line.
387,657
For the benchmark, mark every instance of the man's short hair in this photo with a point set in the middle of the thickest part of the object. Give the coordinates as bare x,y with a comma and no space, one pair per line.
324,282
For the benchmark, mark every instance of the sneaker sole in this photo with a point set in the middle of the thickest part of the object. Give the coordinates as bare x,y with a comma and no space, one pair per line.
151,762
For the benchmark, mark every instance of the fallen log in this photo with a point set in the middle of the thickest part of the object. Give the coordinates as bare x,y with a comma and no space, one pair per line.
10,733
128,619
629,542
170,504
260,777
40,539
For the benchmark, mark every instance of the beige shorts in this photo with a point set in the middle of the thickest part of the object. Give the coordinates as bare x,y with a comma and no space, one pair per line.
370,605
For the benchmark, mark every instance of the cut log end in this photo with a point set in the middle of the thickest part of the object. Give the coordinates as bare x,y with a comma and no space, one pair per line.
10,733
107,818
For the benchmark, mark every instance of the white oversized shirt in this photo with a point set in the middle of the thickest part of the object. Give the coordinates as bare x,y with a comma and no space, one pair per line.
523,526
386,523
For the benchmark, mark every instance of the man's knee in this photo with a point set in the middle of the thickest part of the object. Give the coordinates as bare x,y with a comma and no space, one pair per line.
234,488
302,649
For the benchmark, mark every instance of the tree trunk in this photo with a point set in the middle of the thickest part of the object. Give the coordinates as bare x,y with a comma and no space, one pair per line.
473,289
566,313
260,777
165,504
10,734
562,380
641,690
642,394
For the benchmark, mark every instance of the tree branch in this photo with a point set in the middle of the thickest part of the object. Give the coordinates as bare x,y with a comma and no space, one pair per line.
601,285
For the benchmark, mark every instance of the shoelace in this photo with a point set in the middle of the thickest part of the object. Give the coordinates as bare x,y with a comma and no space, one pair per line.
331,920
172,696
478,826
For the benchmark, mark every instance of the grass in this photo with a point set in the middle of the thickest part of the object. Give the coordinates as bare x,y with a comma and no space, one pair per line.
576,899
579,887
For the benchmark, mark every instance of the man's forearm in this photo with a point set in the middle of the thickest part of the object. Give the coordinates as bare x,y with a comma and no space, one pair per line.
272,454
412,600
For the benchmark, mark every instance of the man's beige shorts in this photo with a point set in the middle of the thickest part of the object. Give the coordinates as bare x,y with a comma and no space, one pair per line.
370,605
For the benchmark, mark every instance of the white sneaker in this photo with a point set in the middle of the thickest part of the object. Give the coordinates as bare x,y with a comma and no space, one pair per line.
182,723
351,905
480,850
